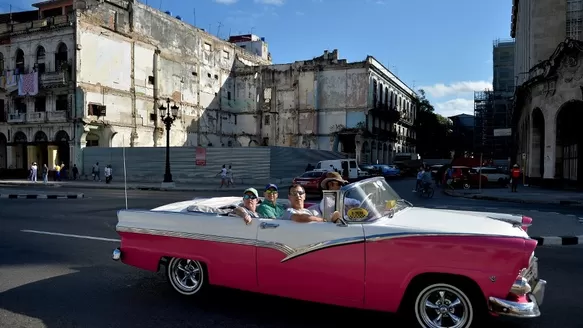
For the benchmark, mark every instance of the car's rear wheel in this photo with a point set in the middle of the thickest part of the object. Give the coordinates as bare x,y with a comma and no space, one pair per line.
443,305
186,276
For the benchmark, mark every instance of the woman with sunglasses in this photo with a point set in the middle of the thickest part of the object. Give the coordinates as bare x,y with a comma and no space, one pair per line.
249,209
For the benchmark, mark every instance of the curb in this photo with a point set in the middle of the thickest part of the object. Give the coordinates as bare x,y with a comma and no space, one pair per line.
147,188
41,196
513,200
559,240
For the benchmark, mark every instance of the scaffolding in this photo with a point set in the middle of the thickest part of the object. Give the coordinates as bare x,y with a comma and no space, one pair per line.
492,111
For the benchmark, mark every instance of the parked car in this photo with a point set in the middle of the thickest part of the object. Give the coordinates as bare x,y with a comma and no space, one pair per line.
492,175
311,181
388,171
382,255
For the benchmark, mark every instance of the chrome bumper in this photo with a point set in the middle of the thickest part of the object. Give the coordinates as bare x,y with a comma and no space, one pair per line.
116,254
521,310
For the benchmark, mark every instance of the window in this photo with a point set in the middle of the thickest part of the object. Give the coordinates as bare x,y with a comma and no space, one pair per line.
226,54
267,119
574,18
207,47
62,102
40,104
20,105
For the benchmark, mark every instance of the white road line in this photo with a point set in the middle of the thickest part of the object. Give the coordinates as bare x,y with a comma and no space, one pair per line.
549,241
71,236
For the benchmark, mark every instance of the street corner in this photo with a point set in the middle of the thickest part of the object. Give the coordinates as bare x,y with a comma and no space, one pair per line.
558,240
29,195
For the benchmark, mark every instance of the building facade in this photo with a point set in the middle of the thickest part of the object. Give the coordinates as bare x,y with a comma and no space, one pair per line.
326,103
96,74
549,98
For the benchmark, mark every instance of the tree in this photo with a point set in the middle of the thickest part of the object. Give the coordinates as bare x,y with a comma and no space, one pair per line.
433,130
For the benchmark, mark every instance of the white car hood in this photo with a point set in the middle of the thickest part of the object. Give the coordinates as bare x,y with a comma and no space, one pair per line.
455,222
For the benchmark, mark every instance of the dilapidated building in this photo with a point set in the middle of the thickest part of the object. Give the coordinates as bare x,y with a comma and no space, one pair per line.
326,103
549,97
95,75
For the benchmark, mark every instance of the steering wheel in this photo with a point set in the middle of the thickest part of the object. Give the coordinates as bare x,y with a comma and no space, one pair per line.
367,198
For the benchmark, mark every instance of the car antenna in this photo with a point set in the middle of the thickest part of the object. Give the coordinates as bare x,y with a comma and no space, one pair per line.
125,174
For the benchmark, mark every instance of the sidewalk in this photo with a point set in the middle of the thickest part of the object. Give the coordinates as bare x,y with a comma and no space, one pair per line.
136,185
525,195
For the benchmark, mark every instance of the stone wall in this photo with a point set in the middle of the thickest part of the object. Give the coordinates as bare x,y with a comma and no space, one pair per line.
251,165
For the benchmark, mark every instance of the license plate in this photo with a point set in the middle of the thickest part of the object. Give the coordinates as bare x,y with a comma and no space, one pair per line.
303,182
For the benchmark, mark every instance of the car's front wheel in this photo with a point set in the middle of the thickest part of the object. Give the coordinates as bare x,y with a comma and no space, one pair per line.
186,276
444,305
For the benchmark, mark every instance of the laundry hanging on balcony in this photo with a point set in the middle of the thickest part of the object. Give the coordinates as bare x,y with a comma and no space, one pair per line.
28,84
11,81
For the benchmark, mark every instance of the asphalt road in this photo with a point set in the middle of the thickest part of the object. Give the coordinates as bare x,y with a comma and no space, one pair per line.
58,281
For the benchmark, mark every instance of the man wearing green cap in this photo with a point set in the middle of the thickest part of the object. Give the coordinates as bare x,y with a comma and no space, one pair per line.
249,209
269,208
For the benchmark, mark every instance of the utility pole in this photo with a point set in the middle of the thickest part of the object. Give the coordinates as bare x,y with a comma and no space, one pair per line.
219,30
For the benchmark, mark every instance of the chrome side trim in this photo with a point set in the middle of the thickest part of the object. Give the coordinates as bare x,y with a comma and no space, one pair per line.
323,245
387,236
205,237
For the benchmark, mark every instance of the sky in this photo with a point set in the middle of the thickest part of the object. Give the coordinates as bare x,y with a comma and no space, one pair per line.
443,47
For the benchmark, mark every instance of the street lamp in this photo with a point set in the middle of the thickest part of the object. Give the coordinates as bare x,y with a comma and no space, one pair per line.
168,115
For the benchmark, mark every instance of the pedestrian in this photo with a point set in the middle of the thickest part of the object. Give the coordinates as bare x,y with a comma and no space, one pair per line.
108,173
231,183
45,174
75,171
515,175
224,178
33,172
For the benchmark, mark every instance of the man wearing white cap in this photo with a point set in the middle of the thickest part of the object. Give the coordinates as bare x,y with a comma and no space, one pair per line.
249,209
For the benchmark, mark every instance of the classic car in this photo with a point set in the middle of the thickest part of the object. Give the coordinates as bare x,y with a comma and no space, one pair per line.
442,268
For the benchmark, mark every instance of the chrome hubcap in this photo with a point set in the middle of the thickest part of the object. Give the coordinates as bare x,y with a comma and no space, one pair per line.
443,307
187,274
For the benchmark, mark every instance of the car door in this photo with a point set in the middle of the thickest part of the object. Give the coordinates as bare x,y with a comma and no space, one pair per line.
317,261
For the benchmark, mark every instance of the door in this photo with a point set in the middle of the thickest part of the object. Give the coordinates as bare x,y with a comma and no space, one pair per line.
345,170
317,261
353,169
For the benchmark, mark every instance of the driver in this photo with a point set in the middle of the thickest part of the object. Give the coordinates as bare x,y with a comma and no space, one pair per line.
297,212
334,181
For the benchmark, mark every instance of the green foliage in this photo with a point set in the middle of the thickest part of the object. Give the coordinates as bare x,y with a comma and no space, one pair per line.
433,130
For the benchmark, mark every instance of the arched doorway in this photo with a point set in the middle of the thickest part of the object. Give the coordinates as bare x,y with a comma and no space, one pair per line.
19,152
385,153
3,154
379,152
63,153
569,141
373,152
538,144
365,153
41,154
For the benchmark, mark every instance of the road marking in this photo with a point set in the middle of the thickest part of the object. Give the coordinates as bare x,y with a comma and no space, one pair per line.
550,241
70,235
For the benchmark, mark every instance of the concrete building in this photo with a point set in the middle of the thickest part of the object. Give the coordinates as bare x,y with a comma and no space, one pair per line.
326,103
96,74
493,108
549,97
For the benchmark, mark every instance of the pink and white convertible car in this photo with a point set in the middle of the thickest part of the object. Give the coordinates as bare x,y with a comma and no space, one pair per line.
442,268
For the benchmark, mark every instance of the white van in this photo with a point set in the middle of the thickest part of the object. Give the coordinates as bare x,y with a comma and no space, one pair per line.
340,165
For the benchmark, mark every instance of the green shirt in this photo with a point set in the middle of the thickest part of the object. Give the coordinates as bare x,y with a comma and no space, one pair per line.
269,210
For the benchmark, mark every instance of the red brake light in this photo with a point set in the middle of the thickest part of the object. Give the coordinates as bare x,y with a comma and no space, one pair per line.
526,222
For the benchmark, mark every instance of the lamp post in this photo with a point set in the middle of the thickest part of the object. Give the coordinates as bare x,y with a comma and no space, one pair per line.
168,115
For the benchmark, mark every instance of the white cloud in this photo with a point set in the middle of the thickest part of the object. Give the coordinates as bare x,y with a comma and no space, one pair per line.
226,2
270,2
457,89
455,107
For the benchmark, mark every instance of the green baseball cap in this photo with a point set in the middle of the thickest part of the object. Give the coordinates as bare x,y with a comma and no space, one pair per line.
251,190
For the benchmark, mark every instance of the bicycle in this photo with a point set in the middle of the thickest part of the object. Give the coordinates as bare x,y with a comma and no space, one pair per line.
427,191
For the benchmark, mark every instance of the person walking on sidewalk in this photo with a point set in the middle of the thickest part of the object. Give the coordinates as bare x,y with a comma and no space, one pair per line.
33,172
45,174
108,173
515,175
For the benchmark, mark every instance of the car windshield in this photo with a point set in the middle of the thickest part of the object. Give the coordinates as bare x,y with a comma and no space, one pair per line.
371,199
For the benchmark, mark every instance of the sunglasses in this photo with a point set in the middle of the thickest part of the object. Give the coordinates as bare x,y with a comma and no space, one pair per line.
297,193
270,191
249,197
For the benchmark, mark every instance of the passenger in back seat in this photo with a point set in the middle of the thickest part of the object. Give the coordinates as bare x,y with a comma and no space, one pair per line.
269,208
249,209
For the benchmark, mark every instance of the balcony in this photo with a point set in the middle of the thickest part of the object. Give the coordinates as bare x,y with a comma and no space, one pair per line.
54,79
57,116
36,117
36,25
16,118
